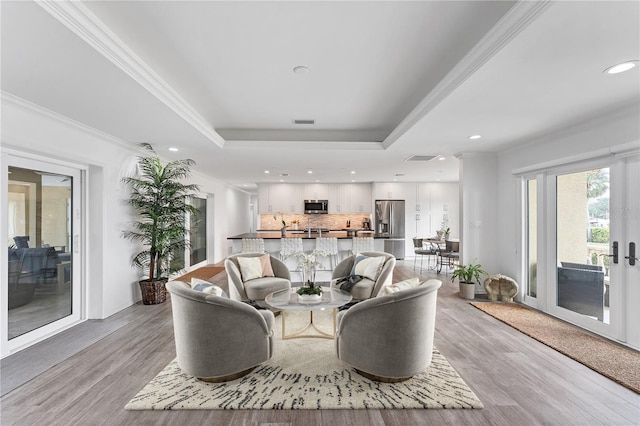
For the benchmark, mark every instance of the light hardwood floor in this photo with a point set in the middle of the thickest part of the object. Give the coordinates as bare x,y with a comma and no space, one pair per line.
520,381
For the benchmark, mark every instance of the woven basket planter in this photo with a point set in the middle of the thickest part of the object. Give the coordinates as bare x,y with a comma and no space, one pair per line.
153,292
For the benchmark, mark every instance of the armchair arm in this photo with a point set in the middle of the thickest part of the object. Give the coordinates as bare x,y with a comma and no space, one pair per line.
236,286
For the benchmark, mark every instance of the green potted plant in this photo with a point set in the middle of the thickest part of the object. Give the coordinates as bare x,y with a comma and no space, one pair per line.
466,276
159,199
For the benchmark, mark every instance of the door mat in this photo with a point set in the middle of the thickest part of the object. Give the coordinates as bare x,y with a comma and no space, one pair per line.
614,361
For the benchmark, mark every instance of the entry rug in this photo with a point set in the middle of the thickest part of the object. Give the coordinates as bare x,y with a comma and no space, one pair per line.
616,362
306,374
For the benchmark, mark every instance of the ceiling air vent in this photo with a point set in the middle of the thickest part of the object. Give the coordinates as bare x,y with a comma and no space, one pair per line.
421,158
304,121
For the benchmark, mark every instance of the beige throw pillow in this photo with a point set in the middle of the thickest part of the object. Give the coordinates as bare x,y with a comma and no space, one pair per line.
267,270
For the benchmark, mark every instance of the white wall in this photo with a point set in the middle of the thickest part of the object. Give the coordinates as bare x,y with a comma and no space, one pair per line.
595,135
111,281
479,210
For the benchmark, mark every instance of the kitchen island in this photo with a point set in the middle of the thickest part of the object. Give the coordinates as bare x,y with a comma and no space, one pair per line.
272,240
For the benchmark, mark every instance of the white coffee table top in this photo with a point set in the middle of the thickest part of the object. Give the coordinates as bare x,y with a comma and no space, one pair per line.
287,299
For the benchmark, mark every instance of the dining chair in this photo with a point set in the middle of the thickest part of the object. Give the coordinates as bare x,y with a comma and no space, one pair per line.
253,245
419,250
362,244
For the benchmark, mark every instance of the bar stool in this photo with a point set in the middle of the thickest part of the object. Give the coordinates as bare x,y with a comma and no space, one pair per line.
362,244
330,247
252,245
291,247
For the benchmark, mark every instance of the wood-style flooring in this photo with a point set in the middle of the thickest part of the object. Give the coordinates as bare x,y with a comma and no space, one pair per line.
519,380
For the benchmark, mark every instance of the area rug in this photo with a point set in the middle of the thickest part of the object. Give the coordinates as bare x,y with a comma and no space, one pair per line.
306,374
204,273
616,362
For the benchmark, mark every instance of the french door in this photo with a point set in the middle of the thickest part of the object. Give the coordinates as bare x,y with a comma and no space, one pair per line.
581,242
41,283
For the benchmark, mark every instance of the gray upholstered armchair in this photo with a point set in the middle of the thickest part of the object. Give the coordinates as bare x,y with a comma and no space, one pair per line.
390,338
259,288
218,339
366,288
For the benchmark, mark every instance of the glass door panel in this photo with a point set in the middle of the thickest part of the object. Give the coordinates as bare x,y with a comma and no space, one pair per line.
532,237
39,260
582,229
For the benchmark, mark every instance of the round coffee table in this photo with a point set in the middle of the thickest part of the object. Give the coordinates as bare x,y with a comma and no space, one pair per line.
287,300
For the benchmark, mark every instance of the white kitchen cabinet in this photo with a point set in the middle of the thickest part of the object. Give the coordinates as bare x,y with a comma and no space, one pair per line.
360,198
291,201
316,191
391,191
343,201
280,197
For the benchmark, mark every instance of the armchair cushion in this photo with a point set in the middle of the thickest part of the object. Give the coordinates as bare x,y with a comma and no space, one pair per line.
262,287
267,270
255,267
368,267
250,268
399,286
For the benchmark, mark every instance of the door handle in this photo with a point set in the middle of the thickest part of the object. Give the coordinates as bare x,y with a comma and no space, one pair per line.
615,252
632,254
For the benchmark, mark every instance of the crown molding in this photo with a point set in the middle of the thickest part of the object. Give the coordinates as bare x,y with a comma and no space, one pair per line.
79,19
510,25
62,119
302,145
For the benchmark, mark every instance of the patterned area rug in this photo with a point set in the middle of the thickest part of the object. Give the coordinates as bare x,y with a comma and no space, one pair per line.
306,374
616,362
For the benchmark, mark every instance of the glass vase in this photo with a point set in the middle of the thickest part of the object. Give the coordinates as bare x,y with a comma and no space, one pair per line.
309,275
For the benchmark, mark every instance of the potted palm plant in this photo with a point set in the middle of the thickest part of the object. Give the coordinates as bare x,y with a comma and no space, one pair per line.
466,276
159,199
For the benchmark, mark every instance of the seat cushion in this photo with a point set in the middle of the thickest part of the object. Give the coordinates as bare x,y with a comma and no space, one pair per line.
362,290
260,288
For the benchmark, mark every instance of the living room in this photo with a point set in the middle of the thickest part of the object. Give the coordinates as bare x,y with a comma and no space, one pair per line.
538,109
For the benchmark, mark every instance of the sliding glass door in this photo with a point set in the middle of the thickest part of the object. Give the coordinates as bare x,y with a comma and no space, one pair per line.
42,293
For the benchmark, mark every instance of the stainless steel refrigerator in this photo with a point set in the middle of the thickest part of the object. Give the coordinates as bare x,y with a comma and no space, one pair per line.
390,224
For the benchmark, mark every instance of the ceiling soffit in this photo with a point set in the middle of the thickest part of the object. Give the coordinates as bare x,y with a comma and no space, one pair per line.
87,26
79,19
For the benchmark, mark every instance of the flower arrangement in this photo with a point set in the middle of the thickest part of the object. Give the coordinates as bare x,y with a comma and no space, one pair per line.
310,289
284,224
308,262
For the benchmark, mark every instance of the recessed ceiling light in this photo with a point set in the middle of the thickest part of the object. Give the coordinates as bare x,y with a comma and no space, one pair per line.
473,137
309,171
281,180
394,179
301,69
317,180
353,172
438,180
173,149
267,171
245,185
353,180
442,158
624,66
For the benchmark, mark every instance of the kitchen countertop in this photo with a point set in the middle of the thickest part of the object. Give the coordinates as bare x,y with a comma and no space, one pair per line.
273,235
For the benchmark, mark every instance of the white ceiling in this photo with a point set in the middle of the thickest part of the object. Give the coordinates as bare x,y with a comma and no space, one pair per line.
387,80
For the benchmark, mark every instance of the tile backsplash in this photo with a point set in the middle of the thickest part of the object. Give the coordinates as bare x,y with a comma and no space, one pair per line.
330,221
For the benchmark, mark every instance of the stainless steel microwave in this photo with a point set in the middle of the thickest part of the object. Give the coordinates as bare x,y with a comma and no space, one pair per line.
316,206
